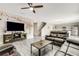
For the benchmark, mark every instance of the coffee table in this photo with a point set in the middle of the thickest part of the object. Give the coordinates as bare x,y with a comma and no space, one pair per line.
40,44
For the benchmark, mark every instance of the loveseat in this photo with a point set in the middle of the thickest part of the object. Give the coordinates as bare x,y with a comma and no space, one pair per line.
58,37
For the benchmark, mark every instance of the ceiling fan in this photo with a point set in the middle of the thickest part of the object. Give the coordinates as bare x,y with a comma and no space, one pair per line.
31,7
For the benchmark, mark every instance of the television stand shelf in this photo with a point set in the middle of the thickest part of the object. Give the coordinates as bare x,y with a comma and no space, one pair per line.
8,38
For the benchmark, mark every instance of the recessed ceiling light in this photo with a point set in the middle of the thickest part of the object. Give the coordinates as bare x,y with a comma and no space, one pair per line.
31,8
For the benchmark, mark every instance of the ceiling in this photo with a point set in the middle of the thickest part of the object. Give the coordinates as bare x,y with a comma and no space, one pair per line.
51,12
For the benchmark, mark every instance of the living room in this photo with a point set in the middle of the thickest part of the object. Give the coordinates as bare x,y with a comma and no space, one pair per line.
39,29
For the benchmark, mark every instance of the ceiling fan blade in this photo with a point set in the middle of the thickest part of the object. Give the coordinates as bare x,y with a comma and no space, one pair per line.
34,11
30,4
38,6
25,8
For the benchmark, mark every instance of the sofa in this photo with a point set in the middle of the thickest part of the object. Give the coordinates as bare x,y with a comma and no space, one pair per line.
58,37
70,47
8,50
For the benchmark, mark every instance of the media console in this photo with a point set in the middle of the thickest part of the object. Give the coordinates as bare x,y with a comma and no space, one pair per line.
8,38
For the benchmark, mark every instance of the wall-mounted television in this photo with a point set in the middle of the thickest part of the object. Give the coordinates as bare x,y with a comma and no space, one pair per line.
14,26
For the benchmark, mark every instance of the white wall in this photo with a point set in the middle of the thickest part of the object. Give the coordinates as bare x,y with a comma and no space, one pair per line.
2,28
29,31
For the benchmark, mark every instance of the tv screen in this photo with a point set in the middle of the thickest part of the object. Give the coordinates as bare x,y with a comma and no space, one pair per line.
13,26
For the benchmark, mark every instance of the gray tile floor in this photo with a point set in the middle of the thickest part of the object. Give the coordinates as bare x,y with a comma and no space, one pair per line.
23,47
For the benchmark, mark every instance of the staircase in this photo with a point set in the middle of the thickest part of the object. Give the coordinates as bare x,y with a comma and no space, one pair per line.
41,27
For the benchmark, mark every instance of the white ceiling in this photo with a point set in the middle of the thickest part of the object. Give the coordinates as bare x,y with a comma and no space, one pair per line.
51,12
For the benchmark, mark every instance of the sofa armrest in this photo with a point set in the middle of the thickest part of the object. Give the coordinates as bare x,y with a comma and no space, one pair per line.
73,39
6,49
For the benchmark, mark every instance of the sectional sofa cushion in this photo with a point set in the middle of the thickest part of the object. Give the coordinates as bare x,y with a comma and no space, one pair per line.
73,39
50,38
59,39
74,46
55,39
61,35
54,35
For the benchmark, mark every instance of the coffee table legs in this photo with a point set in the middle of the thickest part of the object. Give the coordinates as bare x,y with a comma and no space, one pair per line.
31,49
52,46
39,51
